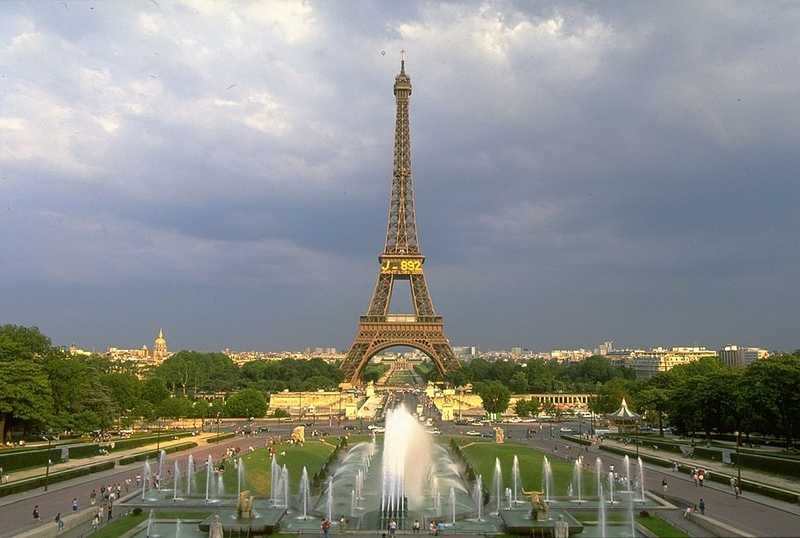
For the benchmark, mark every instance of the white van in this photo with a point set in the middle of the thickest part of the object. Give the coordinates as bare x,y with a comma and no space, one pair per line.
600,432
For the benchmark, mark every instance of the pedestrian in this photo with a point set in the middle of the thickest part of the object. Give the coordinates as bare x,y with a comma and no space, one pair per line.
701,477
415,527
702,506
432,528
36,518
392,527
688,512
59,522
664,485
93,497
97,517
440,527
326,527
74,505
110,509
342,525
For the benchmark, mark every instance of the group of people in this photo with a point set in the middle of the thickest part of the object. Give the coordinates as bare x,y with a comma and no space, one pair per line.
699,507
736,486
699,476
106,496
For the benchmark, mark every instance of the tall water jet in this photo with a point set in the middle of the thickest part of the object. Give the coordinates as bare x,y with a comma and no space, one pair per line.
547,478
611,487
305,493
145,477
150,519
577,478
601,512
190,475
405,466
175,477
478,495
162,460
515,479
275,473
498,483
451,503
239,476
329,502
628,481
599,471
209,476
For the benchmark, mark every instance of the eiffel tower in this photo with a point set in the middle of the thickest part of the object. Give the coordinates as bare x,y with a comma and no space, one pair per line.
401,260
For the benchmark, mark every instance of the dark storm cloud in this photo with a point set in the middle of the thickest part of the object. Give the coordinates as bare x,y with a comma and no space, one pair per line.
583,172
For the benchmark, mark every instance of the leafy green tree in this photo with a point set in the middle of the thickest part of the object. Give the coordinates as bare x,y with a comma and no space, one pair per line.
518,384
25,391
495,396
778,377
246,403
526,408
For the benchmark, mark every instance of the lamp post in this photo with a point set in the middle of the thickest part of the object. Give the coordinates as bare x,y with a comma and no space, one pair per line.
738,435
47,469
217,441
158,440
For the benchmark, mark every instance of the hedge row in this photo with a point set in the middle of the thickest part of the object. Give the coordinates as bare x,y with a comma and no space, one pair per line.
136,442
220,437
39,481
154,454
25,458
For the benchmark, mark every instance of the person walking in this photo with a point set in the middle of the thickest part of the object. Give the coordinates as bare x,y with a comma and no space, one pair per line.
110,510
98,515
342,525
702,506
36,517
392,527
664,485
93,497
74,505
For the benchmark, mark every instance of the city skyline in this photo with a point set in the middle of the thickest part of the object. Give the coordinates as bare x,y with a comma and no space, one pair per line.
221,170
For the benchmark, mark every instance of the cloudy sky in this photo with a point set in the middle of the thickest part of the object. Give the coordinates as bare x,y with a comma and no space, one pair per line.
583,171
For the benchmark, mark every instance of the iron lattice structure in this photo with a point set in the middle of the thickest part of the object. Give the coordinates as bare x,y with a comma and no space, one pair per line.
401,260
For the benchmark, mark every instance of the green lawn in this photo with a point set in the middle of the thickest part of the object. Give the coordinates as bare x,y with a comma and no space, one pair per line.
483,452
257,465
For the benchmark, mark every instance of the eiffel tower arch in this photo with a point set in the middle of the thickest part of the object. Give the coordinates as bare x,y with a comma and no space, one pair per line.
401,261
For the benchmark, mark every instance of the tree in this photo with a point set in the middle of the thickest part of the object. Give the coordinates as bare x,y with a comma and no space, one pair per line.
526,408
495,397
25,392
778,377
246,403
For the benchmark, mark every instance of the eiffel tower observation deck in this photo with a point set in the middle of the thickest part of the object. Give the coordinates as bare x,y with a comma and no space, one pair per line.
401,261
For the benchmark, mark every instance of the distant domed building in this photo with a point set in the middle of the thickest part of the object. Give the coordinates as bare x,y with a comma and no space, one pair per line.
160,347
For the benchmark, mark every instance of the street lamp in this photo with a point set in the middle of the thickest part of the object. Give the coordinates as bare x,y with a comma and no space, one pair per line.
47,469
217,441
738,435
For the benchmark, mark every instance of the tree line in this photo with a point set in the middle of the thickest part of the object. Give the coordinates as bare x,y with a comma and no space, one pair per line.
44,388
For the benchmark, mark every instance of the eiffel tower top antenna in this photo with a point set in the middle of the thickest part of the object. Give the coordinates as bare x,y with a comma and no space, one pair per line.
401,232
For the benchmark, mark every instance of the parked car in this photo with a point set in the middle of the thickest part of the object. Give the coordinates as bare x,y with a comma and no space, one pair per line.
473,433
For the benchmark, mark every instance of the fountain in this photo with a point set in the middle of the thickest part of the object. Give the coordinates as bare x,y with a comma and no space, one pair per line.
304,493
162,458
547,478
190,475
577,479
498,483
477,494
515,479
175,475
239,476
